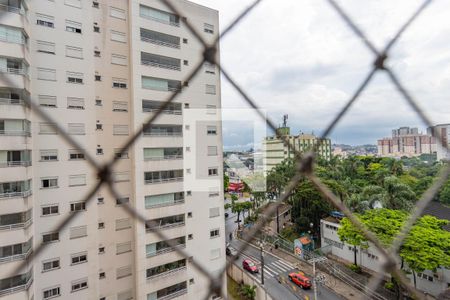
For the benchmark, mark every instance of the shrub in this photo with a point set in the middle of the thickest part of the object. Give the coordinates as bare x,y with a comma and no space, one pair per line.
355,268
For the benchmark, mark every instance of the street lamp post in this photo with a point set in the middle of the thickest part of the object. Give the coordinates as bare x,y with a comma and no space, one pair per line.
314,261
261,245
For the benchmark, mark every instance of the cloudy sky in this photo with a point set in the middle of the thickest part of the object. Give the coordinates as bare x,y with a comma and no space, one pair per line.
298,57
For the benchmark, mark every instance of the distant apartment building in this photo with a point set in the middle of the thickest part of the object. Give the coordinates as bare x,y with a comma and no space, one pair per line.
444,131
406,141
275,151
101,69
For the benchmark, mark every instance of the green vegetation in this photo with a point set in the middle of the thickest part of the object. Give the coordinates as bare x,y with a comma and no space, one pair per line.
426,247
240,291
361,182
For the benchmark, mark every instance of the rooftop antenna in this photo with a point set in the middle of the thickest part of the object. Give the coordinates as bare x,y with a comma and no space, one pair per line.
285,117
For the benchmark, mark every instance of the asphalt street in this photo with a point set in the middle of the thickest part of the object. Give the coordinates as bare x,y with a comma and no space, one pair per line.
276,280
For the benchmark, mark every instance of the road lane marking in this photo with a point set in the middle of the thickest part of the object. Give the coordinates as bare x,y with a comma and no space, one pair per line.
270,271
286,264
281,266
276,267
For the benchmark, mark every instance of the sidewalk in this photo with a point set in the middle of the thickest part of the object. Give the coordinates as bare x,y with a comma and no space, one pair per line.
339,287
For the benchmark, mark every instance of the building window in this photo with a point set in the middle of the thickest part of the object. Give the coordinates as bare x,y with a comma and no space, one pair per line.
123,272
75,103
78,206
213,172
117,13
47,183
208,28
209,68
78,232
52,292
185,41
73,77
78,258
46,47
50,237
122,224
50,264
95,4
214,254
119,83
72,26
211,130
46,74
118,36
98,78
75,154
100,200
96,28
123,248
214,212
45,20
98,102
159,15
50,210
101,225
99,151
120,176
190,236
79,284
214,233
47,101
98,126
101,275
189,214
74,52
117,59
121,153
101,250
96,53
121,106
74,3
120,130
212,150
122,200
210,89
47,128
76,129
48,155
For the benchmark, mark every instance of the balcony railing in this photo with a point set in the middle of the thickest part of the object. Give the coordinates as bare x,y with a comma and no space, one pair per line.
174,294
167,273
5,164
9,101
165,157
166,250
160,43
16,226
166,226
9,38
15,257
16,194
169,112
171,23
162,133
159,65
18,288
11,9
175,202
16,71
15,132
163,180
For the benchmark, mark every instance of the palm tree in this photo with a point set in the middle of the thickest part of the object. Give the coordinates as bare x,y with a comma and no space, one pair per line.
248,291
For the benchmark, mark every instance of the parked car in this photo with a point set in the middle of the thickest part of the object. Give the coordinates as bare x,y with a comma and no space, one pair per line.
300,279
231,251
250,266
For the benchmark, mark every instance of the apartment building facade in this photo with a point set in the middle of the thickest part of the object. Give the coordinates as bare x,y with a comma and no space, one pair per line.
442,149
406,141
275,151
101,69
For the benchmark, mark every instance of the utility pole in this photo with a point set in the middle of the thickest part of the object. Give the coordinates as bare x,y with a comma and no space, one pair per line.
278,221
314,261
261,245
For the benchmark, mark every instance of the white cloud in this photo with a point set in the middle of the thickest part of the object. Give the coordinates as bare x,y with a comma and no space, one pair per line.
300,58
